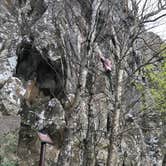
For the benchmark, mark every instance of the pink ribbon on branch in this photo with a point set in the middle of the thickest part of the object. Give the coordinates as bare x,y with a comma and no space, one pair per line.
107,64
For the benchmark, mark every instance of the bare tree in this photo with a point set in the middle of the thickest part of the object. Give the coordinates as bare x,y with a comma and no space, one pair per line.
122,27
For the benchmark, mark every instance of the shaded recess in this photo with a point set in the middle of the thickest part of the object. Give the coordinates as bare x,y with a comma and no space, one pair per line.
49,76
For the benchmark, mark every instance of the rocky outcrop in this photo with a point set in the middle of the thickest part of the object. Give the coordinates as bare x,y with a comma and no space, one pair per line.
52,78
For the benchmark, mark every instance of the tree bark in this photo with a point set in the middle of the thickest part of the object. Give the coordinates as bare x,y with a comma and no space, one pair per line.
66,151
112,149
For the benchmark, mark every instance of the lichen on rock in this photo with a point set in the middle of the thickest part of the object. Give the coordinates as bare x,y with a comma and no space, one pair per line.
11,95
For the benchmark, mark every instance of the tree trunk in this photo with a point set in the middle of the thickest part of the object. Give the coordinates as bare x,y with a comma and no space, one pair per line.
112,149
89,152
66,151
89,142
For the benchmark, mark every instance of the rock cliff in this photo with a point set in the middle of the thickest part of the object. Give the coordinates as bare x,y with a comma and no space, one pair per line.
52,79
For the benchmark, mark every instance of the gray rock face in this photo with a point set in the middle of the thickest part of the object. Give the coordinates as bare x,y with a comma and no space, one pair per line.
11,95
67,37
47,115
7,68
9,124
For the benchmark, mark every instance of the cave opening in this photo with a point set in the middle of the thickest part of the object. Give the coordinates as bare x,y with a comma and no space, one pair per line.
47,76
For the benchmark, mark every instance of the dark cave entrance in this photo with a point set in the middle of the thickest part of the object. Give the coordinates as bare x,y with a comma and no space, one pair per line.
49,76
